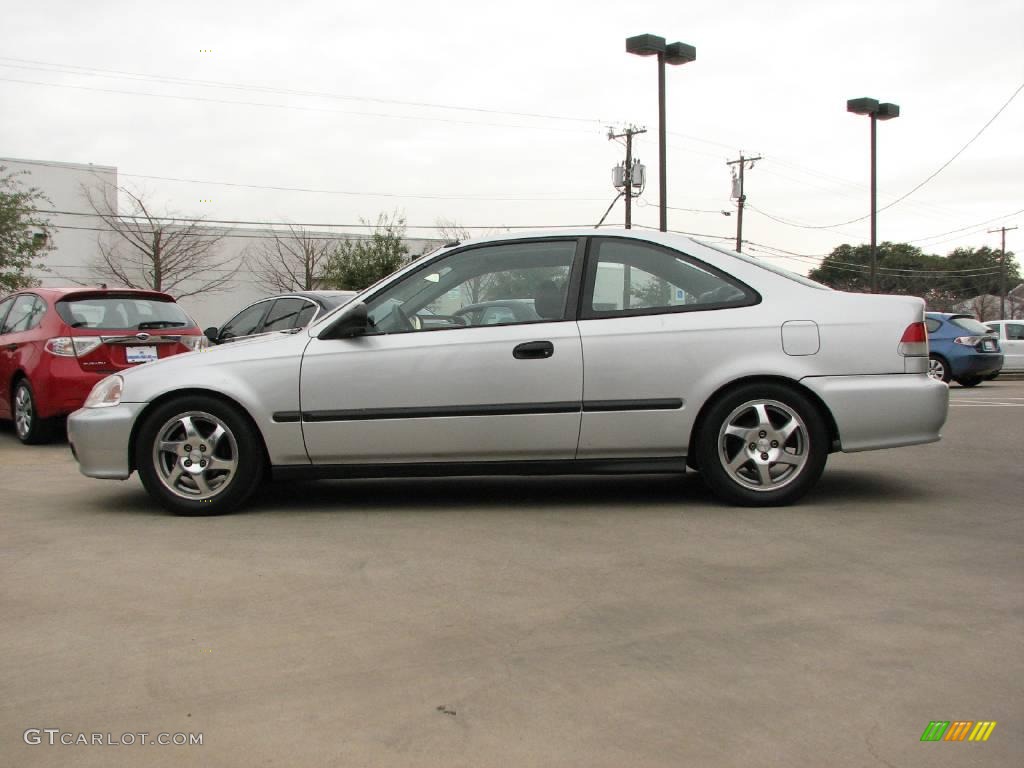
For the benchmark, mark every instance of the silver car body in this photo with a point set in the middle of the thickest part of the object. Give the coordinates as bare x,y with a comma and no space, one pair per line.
615,388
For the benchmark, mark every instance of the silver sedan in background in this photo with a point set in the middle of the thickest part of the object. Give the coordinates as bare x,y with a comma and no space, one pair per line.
642,352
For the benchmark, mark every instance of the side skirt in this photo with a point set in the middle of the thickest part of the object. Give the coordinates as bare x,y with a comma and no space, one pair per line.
668,465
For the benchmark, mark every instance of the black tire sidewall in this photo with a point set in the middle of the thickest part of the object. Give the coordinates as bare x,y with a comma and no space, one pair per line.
40,430
946,373
718,478
251,459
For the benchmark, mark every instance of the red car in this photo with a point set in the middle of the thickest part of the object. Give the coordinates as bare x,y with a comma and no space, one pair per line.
56,343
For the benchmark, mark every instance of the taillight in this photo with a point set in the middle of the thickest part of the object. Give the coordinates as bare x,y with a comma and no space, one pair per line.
195,343
72,346
915,341
969,341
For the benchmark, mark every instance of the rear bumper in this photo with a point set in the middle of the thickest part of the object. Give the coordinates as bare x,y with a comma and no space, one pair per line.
980,364
883,411
99,439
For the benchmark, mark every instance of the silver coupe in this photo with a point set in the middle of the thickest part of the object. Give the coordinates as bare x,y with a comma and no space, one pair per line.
642,352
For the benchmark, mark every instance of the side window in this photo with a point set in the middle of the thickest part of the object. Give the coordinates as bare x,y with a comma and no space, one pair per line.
284,314
24,315
305,315
932,324
520,282
5,307
1015,332
627,277
245,322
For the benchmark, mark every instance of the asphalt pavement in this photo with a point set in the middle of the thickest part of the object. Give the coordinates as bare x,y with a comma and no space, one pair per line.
612,621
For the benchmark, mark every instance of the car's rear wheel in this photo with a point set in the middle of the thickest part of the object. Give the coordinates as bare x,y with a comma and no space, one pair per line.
199,456
29,428
762,445
938,369
969,381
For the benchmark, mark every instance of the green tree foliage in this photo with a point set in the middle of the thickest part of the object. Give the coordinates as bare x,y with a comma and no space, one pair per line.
358,264
24,234
943,281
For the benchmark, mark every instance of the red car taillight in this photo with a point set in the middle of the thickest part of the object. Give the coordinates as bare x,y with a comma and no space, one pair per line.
915,341
72,346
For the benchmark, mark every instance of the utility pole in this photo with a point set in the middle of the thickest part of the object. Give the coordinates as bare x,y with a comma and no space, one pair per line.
741,198
1002,269
628,134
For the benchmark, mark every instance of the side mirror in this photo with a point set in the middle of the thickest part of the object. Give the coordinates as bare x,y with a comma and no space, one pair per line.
211,334
352,321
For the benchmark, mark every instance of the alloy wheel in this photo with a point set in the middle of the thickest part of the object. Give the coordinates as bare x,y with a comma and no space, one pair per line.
936,369
195,455
24,411
763,445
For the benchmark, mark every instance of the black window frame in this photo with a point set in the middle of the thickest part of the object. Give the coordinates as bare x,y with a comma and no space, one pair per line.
585,309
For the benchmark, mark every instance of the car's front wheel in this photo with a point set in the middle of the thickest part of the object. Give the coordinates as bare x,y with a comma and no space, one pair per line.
762,445
29,428
199,456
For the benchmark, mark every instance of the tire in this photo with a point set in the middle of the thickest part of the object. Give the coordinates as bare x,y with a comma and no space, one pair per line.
992,376
214,432
762,445
29,428
969,381
938,369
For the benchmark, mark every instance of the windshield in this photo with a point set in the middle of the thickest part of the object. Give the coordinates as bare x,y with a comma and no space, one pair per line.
122,313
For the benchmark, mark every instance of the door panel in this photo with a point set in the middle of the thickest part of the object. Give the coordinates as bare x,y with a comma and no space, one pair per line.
457,394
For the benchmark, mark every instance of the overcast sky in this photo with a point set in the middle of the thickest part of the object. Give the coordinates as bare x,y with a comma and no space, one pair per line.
516,103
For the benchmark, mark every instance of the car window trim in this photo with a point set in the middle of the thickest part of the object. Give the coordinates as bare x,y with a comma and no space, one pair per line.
258,328
586,295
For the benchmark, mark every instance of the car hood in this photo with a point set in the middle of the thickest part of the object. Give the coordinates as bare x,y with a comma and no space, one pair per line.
212,367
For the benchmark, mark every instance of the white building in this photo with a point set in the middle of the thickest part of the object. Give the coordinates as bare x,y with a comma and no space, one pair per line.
76,231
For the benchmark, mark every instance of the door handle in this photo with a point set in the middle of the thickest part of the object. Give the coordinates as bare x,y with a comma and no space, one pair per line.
533,350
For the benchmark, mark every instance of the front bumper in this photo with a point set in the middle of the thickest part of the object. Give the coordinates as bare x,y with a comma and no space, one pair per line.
883,411
100,437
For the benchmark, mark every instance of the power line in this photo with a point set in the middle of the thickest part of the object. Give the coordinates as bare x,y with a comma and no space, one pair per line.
121,74
418,118
903,197
347,193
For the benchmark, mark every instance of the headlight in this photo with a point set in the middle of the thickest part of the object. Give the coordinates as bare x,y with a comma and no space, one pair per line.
106,393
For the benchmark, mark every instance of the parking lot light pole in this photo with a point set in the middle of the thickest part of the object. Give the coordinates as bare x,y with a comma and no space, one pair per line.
876,111
673,53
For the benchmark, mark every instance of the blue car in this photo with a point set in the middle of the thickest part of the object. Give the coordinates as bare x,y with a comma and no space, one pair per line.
961,349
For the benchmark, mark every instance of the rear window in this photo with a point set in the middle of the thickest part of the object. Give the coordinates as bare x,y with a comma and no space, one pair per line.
970,325
122,313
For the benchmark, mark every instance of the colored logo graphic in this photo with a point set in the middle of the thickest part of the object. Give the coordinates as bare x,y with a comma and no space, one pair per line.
958,730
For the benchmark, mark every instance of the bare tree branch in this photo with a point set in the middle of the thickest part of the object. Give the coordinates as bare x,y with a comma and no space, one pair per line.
181,257
290,261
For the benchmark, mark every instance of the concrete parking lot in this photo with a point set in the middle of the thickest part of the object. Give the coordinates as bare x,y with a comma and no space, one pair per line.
526,622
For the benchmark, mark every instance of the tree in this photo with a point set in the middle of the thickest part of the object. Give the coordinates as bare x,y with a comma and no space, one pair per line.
902,268
290,261
475,289
24,234
360,262
162,253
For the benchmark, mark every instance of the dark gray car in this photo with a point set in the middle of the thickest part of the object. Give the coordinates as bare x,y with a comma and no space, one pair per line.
284,313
